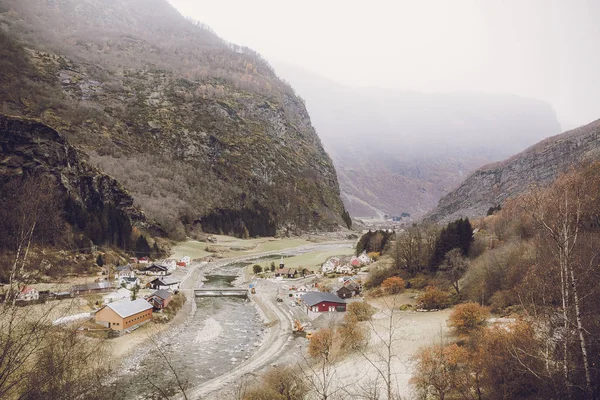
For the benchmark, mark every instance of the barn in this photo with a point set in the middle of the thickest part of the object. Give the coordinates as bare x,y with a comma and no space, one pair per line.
124,314
323,302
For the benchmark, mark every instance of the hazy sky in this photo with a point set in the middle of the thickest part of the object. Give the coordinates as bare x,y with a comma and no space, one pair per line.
547,49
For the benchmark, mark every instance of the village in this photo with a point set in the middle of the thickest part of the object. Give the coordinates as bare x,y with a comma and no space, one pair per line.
126,297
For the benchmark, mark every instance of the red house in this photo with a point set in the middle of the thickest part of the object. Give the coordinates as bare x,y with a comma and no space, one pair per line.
323,302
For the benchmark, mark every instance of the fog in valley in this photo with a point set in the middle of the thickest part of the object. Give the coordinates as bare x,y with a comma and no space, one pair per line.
410,97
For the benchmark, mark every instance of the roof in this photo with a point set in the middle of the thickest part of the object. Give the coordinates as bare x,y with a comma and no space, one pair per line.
156,266
352,285
162,293
287,270
313,298
92,286
166,280
27,289
126,308
124,268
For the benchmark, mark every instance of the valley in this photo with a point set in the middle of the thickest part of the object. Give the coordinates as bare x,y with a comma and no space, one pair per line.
188,211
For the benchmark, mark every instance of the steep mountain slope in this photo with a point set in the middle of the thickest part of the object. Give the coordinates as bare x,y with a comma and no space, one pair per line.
398,151
92,202
202,133
538,165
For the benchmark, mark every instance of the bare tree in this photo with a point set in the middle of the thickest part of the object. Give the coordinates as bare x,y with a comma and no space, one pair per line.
383,340
559,213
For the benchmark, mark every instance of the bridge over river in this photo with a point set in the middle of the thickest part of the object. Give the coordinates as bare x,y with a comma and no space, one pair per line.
218,292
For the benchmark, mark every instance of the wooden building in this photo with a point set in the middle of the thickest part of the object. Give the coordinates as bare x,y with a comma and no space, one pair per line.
349,290
124,314
160,299
323,302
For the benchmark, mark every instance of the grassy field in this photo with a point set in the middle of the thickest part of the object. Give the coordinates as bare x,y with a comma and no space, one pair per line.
311,261
234,247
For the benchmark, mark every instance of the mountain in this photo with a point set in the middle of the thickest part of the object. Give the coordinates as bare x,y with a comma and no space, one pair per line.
202,133
399,151
81,202
540,164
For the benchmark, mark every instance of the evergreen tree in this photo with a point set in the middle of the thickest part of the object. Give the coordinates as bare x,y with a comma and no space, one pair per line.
100,260
142,248
457,234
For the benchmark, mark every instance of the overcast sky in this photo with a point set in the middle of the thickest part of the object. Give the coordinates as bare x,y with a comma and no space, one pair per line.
547,49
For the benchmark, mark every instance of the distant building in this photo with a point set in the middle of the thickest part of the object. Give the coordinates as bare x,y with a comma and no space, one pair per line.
160,299
286,272
323,302
184,261
156,270
344,269
364,258
349,290
124,314
28,294
164,283
98,287
124,271
128,282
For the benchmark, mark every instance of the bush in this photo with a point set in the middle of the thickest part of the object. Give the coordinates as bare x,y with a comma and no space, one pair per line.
352,336
433,298
360,311
419,282
257,269
377,275
468,317
393,285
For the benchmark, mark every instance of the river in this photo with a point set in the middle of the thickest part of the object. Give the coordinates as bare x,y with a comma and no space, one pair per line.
222,333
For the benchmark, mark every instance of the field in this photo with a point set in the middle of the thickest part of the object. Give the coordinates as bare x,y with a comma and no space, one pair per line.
230,247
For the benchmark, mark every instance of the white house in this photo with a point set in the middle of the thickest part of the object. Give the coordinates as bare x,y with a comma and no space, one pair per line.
128,282
156,270
165,283
28,294
344,269
364,258
170,264
186,260
327,268
124,271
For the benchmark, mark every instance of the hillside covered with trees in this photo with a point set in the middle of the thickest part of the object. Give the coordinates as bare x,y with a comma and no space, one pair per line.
534,265
201,132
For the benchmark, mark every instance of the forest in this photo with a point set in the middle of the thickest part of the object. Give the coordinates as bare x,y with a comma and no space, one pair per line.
534,262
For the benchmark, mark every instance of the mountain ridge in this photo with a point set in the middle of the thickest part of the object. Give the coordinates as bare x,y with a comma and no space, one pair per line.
200,131
539,164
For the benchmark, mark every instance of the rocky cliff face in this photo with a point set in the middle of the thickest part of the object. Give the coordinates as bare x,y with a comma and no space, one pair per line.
201,133
538,165
29,148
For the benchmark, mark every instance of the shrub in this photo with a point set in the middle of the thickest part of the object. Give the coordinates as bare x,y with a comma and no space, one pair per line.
419,282
360,311
352,335
257,269
433,298
468,317
393,285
